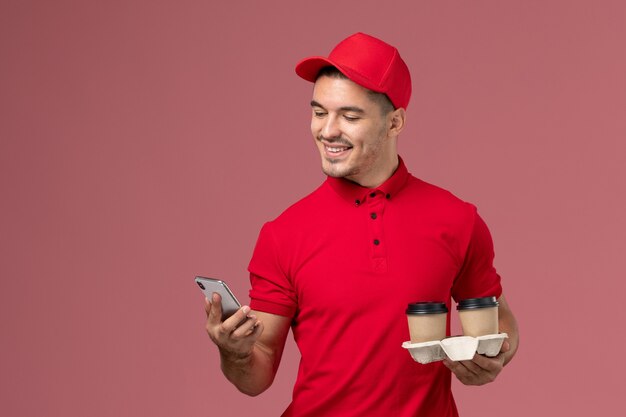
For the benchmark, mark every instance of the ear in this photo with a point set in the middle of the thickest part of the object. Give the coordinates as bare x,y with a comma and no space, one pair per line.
397,119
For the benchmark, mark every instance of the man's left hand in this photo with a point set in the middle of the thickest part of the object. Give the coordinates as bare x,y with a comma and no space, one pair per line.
480,370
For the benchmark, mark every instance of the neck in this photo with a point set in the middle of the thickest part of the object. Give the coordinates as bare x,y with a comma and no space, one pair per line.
387,169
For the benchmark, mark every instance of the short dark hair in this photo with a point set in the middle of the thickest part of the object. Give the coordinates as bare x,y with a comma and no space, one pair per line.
381,99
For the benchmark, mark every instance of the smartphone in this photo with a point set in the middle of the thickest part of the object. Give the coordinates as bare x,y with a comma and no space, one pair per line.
229,302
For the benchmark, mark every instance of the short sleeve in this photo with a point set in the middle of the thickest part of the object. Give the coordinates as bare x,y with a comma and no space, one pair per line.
478,277
272,291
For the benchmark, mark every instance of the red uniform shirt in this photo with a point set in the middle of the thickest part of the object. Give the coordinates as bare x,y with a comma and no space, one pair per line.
343,263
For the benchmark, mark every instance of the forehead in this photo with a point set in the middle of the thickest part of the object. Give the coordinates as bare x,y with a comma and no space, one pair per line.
333,92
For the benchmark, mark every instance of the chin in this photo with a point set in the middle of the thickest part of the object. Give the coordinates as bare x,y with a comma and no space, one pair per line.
335,169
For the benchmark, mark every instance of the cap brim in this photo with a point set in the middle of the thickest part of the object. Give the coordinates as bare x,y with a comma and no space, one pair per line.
308,69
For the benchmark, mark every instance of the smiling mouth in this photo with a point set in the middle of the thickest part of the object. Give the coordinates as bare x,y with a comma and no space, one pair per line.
336,149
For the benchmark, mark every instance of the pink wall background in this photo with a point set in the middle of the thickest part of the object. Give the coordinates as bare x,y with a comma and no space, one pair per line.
142,143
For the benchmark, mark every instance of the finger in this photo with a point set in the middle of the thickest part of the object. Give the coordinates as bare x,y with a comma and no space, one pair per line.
207,306
449,364
246,328
230,324
458,369
215,315
253,334
472,366
454,366
488,364
257,330
506,346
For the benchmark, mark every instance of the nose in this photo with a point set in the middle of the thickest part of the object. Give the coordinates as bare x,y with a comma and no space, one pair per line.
330,127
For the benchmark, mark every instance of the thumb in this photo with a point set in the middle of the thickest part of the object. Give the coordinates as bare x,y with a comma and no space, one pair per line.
505,346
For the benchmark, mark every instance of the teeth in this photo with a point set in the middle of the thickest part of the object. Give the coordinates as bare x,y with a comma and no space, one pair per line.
335,150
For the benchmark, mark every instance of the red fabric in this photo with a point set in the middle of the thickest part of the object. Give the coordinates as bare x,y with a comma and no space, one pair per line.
367,61
318,264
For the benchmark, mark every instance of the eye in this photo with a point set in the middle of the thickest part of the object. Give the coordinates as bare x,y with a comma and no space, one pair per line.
351,118
319,113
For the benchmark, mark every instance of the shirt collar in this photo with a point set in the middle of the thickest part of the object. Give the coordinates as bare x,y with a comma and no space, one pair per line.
357,194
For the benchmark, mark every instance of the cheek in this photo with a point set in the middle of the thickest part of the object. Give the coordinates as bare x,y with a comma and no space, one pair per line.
359,137
315,127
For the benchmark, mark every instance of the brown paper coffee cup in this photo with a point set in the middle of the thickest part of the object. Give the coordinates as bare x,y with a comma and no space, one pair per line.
427,321
479,316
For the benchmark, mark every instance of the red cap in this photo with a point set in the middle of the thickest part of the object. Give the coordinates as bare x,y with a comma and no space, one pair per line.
367,61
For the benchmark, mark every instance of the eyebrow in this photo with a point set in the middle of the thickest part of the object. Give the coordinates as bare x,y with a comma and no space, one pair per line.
344,108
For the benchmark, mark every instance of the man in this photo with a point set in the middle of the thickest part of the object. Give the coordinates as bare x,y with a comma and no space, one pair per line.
340,266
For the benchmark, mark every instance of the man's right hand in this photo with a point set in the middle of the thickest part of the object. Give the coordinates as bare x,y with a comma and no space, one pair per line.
235,336
250,349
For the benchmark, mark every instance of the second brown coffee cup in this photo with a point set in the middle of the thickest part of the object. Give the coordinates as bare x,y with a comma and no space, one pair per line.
427,321
478,316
